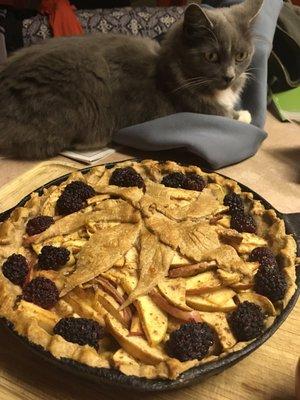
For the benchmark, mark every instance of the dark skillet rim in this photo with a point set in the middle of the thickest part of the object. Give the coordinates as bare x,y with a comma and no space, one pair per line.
118,379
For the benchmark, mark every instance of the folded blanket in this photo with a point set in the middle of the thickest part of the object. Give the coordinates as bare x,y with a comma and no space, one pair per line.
219,141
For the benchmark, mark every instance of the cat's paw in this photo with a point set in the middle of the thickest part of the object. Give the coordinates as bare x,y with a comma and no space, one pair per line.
244,116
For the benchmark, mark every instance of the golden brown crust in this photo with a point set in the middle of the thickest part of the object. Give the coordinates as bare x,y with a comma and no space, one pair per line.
126,240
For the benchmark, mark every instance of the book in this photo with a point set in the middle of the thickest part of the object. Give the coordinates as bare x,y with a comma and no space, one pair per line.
287,104
91,156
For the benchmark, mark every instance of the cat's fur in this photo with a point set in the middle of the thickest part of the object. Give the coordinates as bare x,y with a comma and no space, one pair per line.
76,92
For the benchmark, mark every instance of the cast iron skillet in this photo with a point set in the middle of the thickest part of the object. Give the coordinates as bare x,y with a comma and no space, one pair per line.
117,379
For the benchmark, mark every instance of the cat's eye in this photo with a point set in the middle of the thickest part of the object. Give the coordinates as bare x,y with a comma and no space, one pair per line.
211,56
239,57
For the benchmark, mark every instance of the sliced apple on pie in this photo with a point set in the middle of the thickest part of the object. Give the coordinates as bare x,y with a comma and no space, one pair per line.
203,283
153,320
219,300
134,345
263,302
174,290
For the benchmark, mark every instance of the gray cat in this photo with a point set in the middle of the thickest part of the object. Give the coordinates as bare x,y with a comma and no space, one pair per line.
76,92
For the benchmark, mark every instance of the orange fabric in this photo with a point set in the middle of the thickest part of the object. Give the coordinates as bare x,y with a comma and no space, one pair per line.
62,18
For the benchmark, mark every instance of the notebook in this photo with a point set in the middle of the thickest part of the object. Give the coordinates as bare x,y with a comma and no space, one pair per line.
89,157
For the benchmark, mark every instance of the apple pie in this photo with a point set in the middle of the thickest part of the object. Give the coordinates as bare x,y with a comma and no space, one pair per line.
150,268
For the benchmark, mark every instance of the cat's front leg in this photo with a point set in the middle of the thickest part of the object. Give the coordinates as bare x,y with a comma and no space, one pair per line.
242,115
215,108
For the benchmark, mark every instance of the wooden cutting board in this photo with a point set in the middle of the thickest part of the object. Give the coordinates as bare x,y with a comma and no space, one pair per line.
14,191
267,374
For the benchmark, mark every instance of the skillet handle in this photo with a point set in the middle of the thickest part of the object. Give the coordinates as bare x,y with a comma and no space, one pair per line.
293,224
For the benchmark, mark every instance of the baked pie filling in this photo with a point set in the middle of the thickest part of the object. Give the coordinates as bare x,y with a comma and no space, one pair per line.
150,268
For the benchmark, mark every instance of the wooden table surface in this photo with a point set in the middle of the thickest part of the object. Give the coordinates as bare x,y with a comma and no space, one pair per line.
267,374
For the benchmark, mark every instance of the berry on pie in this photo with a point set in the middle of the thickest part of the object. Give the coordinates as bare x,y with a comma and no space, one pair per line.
145,267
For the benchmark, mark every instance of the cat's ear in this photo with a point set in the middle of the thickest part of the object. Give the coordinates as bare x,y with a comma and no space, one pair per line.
195,19
248,10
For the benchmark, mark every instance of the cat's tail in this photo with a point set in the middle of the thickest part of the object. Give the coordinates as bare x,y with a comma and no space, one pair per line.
26,142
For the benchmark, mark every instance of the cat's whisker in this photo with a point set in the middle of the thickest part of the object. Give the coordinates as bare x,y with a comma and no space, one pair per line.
188,83
199,84
259,38
248,72
194,78
253,69
191,84
249,75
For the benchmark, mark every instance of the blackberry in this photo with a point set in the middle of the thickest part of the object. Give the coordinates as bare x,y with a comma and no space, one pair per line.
16,269
270,282
247,321
126,177
234,202
243,222
38,224
73,197
81,189
263,255
192,340
42,292
174,180
79,330
52,257
69,203
189,181
194,182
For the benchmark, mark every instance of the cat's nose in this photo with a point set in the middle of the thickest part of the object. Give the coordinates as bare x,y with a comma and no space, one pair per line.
228,78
